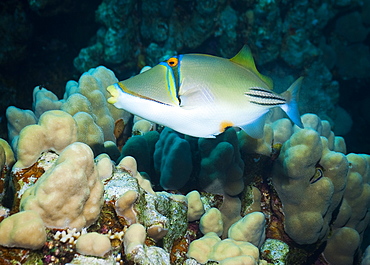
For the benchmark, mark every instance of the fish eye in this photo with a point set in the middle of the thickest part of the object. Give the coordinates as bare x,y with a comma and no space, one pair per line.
173,62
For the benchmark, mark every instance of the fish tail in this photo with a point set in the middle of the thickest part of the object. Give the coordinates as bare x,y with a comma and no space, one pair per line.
291,105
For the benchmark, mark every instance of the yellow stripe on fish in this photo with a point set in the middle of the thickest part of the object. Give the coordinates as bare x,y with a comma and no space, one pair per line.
195,94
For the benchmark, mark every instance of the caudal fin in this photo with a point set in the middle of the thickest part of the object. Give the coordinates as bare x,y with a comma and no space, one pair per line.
291,106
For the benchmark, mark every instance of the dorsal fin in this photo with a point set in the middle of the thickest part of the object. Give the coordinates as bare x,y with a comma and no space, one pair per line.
245,59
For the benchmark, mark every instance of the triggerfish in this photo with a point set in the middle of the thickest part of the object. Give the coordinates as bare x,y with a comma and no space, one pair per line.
201,95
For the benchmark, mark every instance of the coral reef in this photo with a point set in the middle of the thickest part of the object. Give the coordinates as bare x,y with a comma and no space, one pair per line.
195,206
24,230
141,147
85,100
172,158
82,182
93,244
228,251
353,216
292,197
250,229
211,221
221,165
306,168
55,131
57,195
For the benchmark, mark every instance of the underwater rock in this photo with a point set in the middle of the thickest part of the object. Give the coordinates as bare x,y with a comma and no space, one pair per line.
357,193
264,145
154,26
313,98
158,212
275,251
125,206
81,259
92,85
138,252
129,164
297,50
137,147
365,10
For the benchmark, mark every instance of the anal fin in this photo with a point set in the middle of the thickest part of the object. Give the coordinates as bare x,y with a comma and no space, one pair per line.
255,128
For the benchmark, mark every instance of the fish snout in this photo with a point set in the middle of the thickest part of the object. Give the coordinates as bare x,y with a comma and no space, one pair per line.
114,93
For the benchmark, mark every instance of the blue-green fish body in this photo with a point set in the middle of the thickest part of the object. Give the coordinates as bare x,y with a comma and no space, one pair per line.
200,95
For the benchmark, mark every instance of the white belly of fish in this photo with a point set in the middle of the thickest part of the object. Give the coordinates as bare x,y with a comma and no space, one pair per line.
203,121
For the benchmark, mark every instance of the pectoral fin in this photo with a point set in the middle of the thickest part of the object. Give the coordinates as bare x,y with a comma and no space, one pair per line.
194,96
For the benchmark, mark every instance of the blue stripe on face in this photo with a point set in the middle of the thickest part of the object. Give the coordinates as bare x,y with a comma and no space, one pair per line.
179,57
171,82
173,77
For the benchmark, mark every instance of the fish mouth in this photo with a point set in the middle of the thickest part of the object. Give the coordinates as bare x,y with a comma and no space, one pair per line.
114,93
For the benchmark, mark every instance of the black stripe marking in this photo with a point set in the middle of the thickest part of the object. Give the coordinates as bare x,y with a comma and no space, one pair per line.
261,96
266,96
266,103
